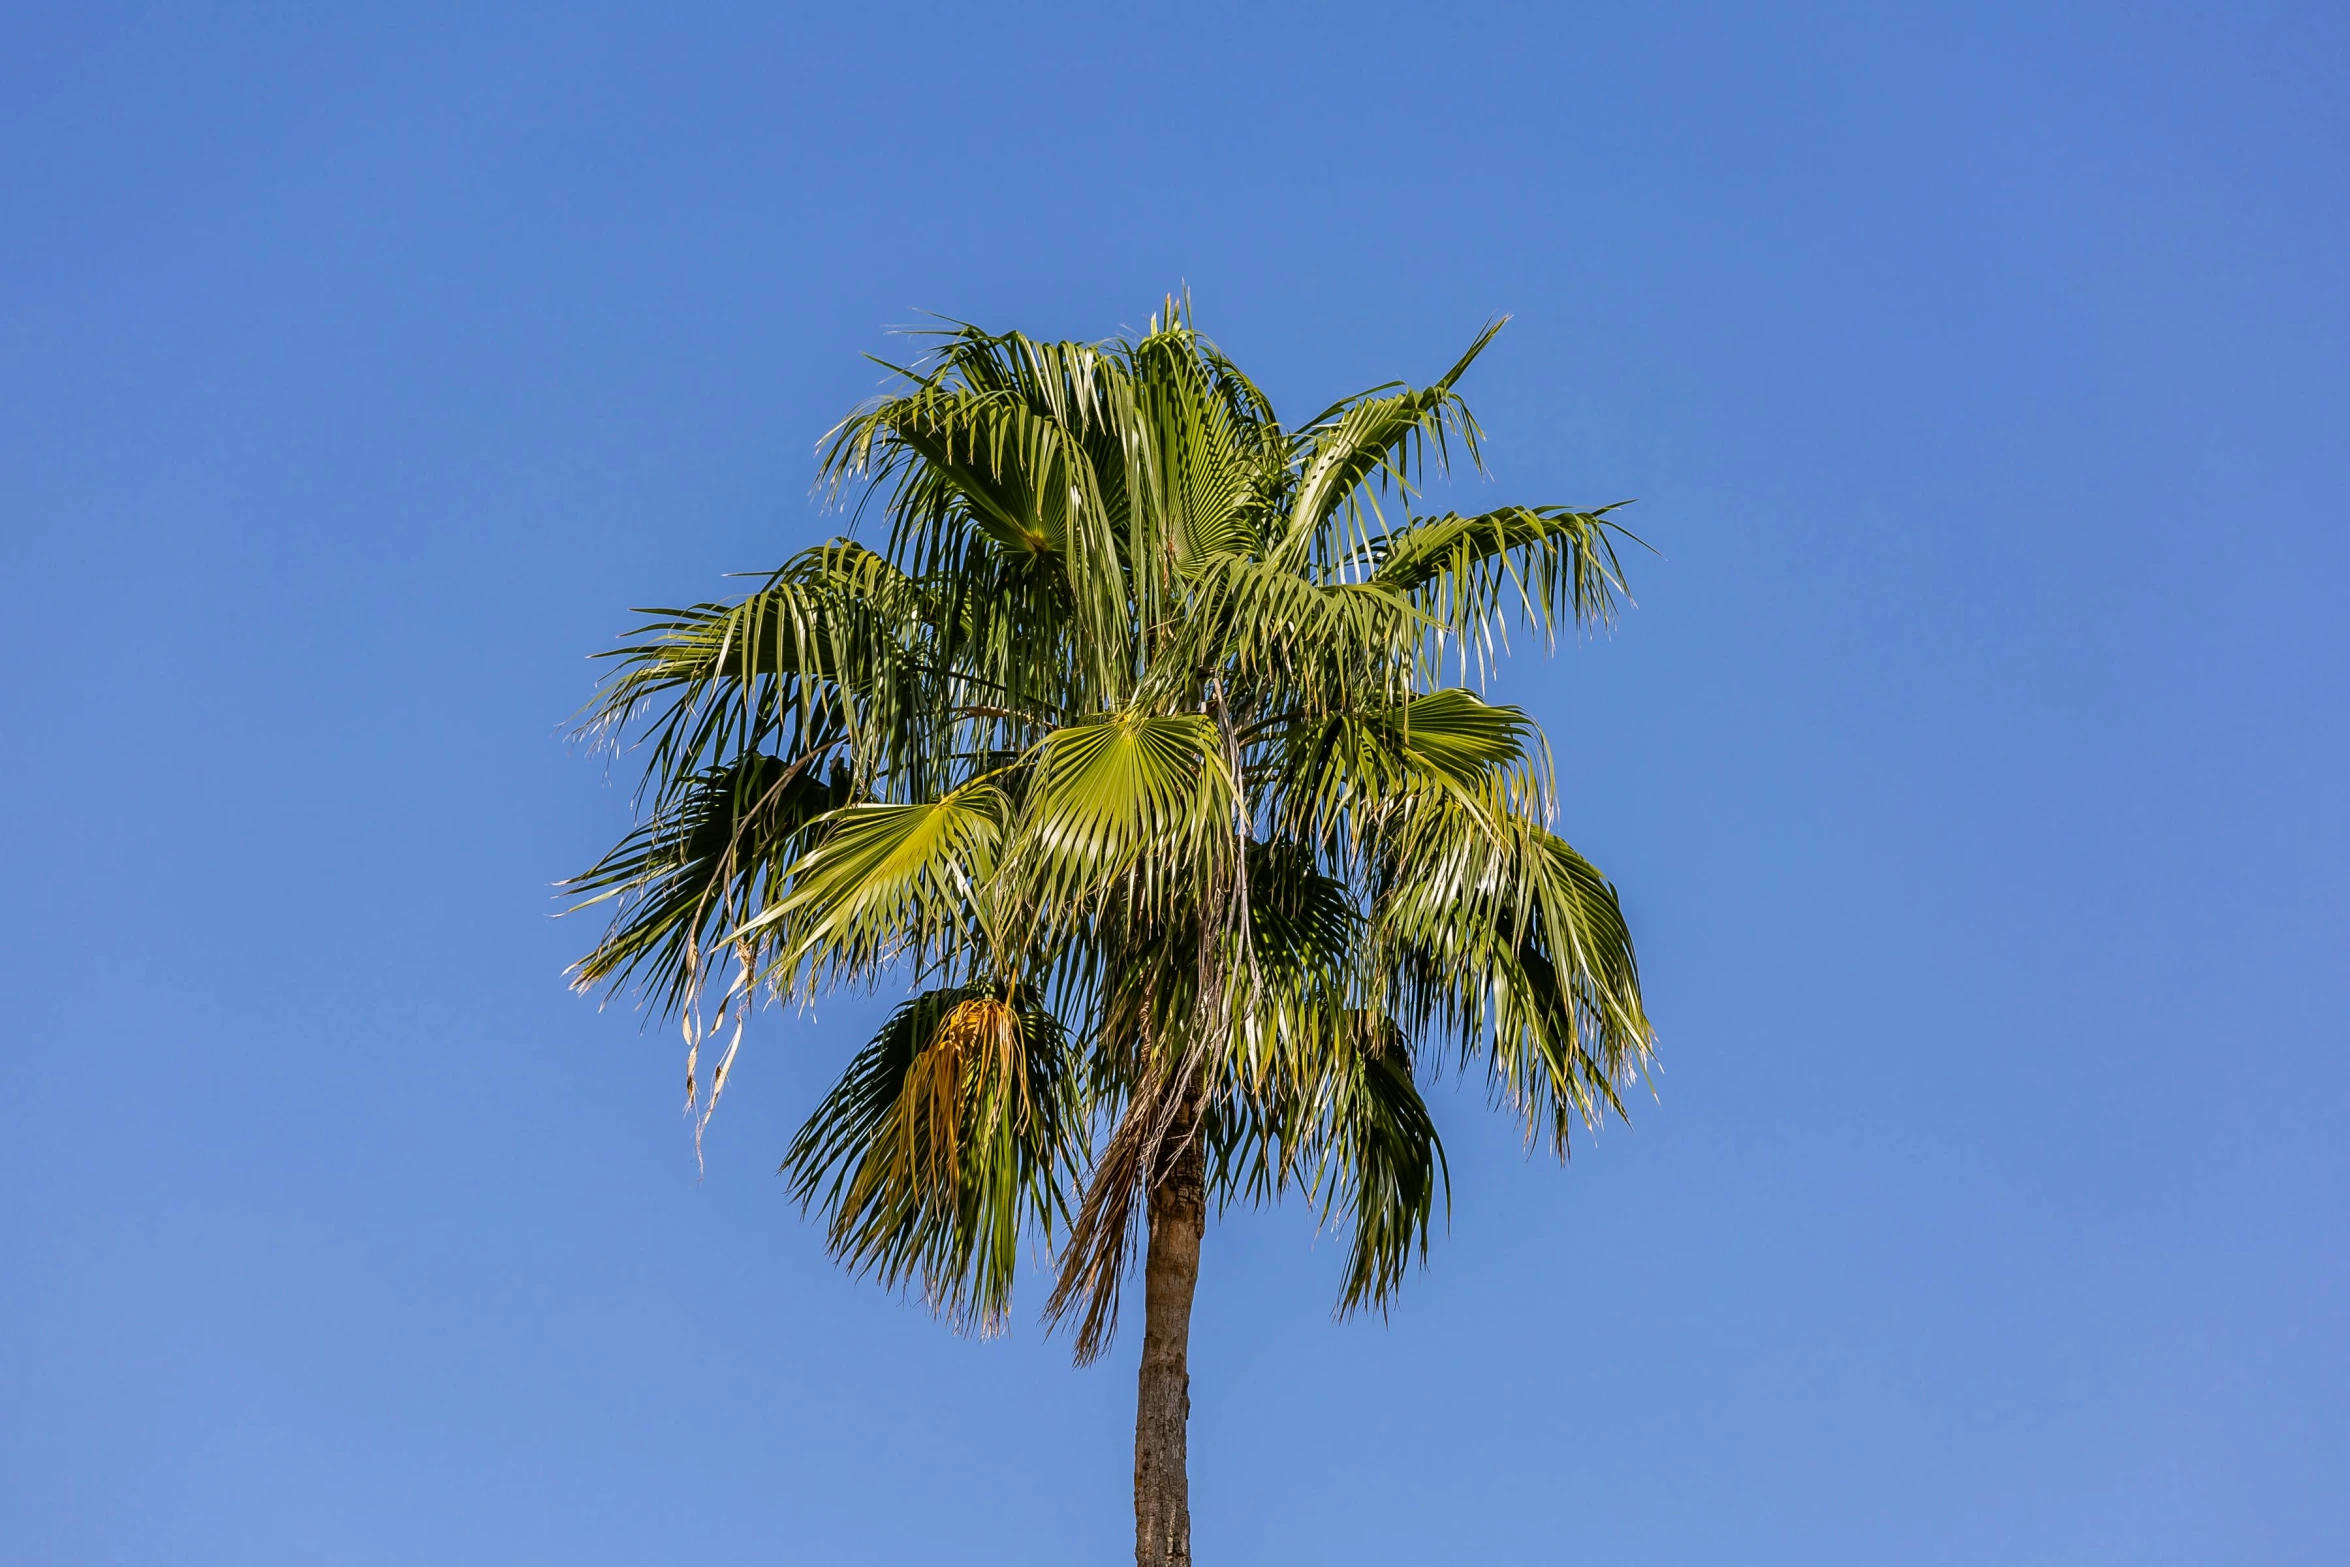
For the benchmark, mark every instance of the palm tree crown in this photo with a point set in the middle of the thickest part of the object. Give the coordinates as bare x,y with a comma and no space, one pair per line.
1129,753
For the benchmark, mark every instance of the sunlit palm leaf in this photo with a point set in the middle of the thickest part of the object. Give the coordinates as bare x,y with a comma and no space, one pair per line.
1556,568
1349,773
888,882
1380,435
1496,932
1128,798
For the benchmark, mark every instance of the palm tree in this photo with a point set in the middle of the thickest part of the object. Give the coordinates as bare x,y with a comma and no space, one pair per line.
1129,755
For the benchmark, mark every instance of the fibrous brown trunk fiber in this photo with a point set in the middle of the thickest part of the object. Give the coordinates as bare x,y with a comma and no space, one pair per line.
1162,1406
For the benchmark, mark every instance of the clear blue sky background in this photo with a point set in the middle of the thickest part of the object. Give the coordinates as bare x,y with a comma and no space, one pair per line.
1973,768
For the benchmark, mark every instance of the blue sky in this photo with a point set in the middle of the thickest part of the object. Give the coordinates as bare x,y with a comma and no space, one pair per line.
1972,769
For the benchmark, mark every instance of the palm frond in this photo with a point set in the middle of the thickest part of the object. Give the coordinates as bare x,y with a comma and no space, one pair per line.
818,653
1494,931
699,867
1128,800
1382,434
1555,567
885,883
1386,1166
950,1134
1346,776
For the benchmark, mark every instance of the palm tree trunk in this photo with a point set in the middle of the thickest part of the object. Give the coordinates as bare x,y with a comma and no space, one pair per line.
1162,1406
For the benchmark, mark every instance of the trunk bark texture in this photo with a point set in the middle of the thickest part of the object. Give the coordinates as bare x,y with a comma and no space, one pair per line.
1162,1407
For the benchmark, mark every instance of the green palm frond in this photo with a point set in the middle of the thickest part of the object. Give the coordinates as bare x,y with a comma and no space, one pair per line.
888,883
692,872
1005,437
1381,435
1189,469
1497,933
1127,799
1281,638
1556,568
950,1135
1386,1166
1355,772
805,659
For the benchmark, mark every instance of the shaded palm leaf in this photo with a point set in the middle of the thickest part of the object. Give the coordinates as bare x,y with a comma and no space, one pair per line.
950,1135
